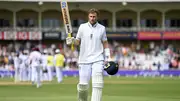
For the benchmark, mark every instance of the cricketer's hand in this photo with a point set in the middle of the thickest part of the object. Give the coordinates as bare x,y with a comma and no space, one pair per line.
107,59
69,40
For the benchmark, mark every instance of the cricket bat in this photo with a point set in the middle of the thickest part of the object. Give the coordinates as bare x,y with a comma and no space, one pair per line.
66,19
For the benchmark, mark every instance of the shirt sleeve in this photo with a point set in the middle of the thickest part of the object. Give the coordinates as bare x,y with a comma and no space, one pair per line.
104,37
79,33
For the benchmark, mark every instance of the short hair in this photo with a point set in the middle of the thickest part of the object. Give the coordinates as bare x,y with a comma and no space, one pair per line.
94,10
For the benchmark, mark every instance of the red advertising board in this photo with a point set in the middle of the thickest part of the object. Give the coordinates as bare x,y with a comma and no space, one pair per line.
171,35
147,35
22,35
13,35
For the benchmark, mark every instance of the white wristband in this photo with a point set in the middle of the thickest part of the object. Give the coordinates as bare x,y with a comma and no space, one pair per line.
107,52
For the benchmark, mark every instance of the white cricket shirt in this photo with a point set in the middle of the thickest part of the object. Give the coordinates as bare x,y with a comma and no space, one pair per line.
23,58
35,58
16,62
91,38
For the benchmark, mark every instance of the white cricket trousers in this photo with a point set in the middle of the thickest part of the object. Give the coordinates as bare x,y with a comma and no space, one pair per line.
59,74
85,72
88,70
44,75
50,73
29,73
17,75
23,73
36,77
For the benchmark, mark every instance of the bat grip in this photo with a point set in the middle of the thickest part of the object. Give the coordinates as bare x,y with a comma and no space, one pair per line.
72,45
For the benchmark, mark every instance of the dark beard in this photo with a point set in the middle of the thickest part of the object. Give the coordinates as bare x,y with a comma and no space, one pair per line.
94,23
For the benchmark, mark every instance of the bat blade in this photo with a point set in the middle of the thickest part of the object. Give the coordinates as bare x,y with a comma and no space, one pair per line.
66,17
67,21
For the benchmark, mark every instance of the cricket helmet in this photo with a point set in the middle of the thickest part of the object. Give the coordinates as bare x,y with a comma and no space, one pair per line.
111,68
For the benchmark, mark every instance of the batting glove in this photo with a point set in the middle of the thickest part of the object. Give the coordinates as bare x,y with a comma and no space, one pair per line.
69,40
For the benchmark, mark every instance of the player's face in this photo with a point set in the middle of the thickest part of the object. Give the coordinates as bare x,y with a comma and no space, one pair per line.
92,18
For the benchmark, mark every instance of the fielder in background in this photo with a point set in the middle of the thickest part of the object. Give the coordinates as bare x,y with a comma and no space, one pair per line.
50,66
35,60
17,68
44,65
94,53
23,67
59,64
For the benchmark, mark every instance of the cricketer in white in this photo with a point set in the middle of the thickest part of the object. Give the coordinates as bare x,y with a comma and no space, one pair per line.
35,60
94,52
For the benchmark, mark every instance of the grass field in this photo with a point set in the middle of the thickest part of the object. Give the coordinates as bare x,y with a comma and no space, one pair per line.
115,89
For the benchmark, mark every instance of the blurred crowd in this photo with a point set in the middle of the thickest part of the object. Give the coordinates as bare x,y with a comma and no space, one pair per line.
132,56
151,56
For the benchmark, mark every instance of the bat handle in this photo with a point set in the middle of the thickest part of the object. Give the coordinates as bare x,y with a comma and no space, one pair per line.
72,45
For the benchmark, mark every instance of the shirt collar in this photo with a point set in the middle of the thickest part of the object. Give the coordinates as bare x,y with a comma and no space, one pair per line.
93,25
